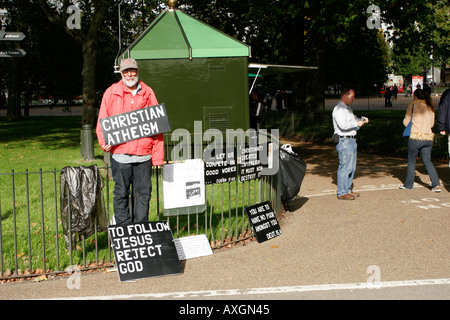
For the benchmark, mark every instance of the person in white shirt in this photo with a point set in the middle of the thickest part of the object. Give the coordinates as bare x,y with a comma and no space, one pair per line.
346,124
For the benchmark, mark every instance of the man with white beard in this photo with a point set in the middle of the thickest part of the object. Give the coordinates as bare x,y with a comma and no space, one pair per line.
131,162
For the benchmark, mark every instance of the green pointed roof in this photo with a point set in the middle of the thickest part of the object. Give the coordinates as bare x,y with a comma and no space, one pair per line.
174,34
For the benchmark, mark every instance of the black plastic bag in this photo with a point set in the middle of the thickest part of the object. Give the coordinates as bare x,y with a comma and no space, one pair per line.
87,209
292,172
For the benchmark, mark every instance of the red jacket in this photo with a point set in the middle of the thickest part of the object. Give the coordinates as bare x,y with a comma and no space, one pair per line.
118,99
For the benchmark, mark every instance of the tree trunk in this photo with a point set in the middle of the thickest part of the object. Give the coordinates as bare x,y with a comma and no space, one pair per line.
14,89
315,93
89,107
87,36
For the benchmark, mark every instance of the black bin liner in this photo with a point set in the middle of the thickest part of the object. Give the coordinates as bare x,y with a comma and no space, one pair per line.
87,209
292,172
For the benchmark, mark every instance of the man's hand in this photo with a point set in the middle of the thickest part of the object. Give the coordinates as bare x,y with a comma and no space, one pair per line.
362,122
106,148
443,132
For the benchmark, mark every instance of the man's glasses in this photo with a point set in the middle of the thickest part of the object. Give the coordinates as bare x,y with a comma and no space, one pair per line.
131,71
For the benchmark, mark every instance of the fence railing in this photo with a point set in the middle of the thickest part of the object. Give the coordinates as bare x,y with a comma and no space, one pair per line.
381,136
378,102
32,240
368,102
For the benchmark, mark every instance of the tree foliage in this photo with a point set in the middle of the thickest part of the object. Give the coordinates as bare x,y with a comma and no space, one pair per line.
322,33
419,33
330,34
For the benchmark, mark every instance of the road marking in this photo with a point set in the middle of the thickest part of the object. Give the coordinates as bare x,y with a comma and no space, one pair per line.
364,189
419,203
271,290
425,204
391,186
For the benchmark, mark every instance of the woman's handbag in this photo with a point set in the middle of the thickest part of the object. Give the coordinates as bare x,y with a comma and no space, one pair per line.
407,131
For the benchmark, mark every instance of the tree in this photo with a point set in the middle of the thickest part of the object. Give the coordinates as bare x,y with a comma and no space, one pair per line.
410,62
92,14
322,33
352,54
14,67
64,62
99,25
419,33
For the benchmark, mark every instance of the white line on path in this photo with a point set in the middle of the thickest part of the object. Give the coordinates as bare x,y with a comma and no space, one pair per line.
365,188
271,290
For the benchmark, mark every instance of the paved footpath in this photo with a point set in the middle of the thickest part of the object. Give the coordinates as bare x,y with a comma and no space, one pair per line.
387,236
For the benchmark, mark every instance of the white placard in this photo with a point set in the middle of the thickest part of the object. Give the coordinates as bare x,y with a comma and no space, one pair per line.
184,184
192,247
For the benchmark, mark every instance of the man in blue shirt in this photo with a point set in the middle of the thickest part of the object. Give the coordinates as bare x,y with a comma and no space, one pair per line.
346,124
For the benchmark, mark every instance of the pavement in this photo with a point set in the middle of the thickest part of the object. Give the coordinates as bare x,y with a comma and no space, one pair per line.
386,236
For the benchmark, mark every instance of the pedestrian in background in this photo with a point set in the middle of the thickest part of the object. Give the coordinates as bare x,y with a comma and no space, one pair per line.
2,100
346,124
387,97
421,138
257,107
395,91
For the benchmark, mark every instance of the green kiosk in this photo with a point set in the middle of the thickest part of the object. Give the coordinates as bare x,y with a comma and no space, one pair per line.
200,73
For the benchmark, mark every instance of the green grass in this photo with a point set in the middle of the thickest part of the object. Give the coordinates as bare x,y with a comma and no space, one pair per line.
41,147
35,150
42,143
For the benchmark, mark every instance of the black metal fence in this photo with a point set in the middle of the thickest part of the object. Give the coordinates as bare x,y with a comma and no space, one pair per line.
378,102
381,136
32,240
369,102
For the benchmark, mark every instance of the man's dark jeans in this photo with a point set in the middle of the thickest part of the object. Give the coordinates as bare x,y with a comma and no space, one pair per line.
139,174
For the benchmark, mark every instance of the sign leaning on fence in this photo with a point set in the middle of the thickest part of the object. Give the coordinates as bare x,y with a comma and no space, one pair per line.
251,165
220,167
144,250
135,124
263,221
184,186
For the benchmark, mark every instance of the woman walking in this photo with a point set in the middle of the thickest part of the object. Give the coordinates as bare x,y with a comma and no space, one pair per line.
421,110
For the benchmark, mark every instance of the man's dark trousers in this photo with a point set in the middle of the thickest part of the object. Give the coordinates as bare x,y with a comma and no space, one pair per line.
123,175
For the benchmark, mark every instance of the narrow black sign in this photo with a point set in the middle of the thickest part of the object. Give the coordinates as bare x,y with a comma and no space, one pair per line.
250,164
263,221
144,250
135,124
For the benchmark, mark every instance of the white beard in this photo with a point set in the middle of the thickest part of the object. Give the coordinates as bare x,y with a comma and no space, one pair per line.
130,82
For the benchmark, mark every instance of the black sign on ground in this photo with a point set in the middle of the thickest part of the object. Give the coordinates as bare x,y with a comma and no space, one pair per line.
263,221
136,124
220,167
144,250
